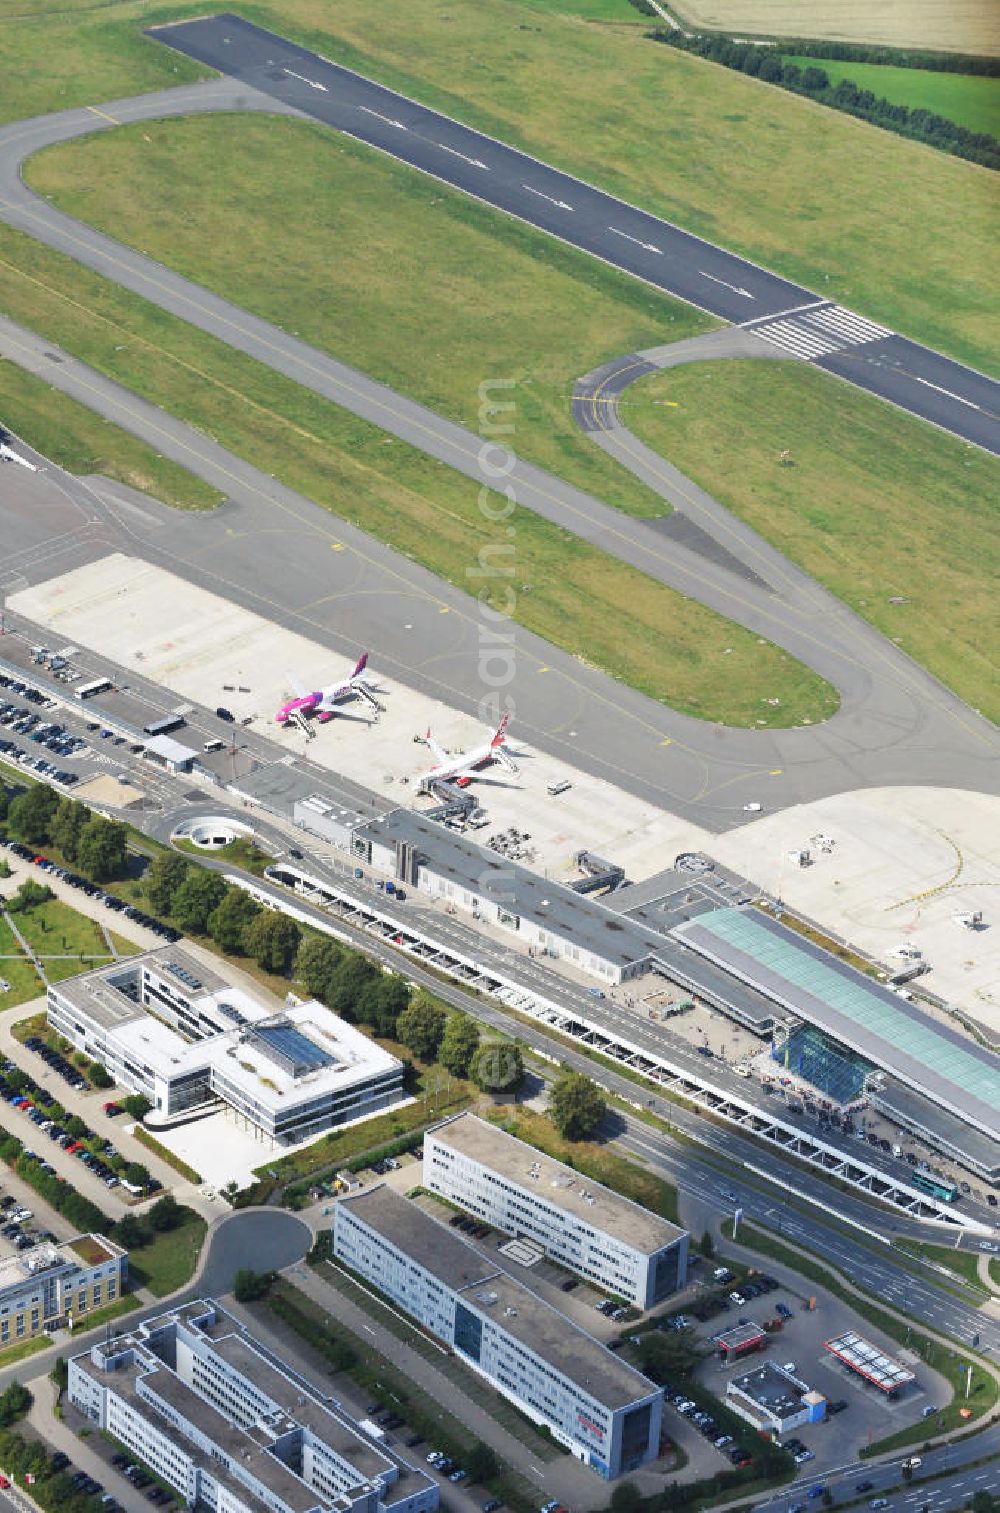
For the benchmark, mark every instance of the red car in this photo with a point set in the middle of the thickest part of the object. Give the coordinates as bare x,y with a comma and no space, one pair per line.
112,1109
77,1145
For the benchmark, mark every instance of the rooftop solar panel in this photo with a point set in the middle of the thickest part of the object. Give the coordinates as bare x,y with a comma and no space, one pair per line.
290,1048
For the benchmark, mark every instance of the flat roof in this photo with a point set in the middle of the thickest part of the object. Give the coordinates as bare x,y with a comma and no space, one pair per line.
918,1111
555,1183
863,1015
170,750
495,1294
772,1389
552,906
740,1334
869,1361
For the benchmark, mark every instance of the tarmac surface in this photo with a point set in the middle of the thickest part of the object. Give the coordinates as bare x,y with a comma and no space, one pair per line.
785,315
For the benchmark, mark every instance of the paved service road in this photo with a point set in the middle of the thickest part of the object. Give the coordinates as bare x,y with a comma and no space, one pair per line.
261,1239
790,318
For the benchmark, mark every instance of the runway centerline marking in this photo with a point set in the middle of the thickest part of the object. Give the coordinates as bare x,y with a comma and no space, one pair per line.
389,120
473,162
313,83
646,246
946,392
104,115
559,204
735,287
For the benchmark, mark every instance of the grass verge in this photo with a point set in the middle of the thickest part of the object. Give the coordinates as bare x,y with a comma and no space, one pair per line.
78,440
242,852
962,1263
969,99
572,594
504,303
625,1177
21,1349
877,506
127,1303
950,1364
169,1260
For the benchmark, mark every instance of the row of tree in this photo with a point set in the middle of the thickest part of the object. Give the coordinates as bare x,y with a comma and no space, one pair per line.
89,843
892,57
56,1192
767,64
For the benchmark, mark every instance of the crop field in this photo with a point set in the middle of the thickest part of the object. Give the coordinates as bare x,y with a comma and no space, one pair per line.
876,505
969,99
76,439
416,285
955,26
580,598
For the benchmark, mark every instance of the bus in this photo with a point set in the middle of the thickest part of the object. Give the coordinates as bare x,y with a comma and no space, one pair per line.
938,1187
87,690
165,726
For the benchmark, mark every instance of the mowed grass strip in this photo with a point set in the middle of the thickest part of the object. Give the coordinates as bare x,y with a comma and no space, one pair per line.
877,505
970,99
80,441
793,185
416,285
578,597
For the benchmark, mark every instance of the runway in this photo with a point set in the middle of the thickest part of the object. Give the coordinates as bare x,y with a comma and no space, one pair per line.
791,319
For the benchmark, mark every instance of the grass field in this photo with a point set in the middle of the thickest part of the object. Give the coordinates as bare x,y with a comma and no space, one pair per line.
76,439
968,26
16,969
55,932
969,99
877,505
415,284
169,1260
964,1263
580,598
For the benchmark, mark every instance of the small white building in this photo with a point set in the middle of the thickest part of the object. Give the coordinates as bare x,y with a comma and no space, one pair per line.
194,1397
773,1399
594,1232
603,1410
169,1027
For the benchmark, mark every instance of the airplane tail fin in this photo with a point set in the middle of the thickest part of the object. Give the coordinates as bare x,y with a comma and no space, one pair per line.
362,664
501,734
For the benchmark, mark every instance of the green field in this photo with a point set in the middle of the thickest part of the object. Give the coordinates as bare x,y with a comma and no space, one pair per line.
76,439
64,941
169,1260
16,969
969,99
877,505
418,286
578,597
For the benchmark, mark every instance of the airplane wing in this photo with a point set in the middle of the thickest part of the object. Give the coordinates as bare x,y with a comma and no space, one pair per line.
440,755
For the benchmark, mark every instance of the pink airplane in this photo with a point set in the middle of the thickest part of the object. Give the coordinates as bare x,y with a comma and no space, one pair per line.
323,702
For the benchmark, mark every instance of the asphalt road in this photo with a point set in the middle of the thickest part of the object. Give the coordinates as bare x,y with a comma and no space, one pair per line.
917,379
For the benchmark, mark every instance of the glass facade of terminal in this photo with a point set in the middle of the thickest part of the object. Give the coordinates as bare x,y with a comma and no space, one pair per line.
829,1067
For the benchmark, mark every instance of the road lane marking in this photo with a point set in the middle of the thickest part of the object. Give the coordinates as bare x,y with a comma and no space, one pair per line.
646,246
559,204
389,120
313,83
735,288
473,162
104,115
946,392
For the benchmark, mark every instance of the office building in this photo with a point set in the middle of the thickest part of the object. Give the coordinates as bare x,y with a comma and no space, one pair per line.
193,1396
593,1232
168,1026
52,1285
604,1411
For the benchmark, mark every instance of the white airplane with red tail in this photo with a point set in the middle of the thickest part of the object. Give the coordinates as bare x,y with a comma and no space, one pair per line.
460,770
322,703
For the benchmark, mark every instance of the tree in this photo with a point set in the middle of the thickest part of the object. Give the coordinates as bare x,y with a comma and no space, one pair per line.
354,975
164,876
103,850
771,69
231,918
814,79
666,1356
626,1498
136,1104
137,1174
272,939
100,1076
249,1285
497,1066
197,896
576,1105
130,1232
75,1126
4,802
480,1462
31,814
67,822
420,1027
316,961
166,1214
29,894
458,1043
382,1002
707,1244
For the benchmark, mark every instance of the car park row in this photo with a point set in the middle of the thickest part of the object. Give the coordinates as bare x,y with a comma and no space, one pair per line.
92,890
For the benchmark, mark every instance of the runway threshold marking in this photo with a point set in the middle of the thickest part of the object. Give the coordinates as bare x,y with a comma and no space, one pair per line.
646,246
559,204
389,120
104,115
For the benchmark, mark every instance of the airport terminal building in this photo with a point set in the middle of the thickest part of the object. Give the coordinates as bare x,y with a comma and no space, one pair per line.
197,1399
603,1410
612,1243
169,1027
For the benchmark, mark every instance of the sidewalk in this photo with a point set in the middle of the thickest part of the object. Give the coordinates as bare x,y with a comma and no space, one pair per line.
60,1435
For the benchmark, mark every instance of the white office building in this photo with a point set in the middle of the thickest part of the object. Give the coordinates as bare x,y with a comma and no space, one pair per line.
603,1410
602,1237
168,1026
193,1396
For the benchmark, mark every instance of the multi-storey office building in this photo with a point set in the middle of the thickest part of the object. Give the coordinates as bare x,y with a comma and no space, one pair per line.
594,1232
603,1410
168,1026
196,1398
53,1284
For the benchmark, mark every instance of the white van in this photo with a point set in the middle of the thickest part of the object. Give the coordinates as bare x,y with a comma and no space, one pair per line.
215,745
558,785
